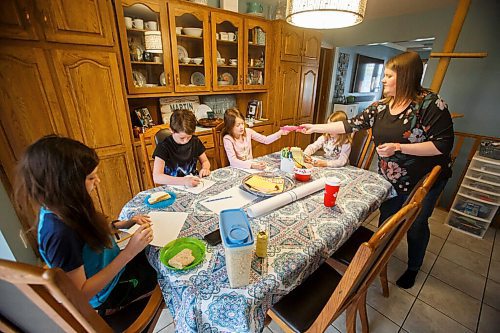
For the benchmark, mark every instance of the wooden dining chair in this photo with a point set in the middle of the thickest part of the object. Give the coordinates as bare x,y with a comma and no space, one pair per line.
35,299
151,137
362,149
219,146
325,294
344,255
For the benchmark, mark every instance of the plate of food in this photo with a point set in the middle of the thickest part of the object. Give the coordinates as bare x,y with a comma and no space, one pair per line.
198,79
266,184
183,253
160,199
182,52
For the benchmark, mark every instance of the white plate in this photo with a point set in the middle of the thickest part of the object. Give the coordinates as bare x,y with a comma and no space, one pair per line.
218,54
139,79
198,79
181,52
163,81
201,111
227,77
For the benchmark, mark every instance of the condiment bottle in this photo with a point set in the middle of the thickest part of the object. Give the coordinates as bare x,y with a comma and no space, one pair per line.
261,246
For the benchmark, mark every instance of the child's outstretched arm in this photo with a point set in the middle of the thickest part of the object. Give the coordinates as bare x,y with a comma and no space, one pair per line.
159,176
265,139
205,165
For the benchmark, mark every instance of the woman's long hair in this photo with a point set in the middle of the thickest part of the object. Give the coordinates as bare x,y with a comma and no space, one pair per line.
409,69
341,138
52,174
230,120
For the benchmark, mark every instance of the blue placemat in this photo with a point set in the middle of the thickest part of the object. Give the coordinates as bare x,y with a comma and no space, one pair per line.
161,204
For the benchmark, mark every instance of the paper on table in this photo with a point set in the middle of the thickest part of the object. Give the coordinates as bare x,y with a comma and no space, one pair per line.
280,200
238,198
202,186
166,226
267,169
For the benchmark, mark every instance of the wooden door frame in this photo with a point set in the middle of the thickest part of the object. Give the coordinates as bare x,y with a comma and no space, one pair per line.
323,87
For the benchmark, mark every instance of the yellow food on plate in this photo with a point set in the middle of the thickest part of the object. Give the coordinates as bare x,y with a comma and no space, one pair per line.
182,259
266,184
158,196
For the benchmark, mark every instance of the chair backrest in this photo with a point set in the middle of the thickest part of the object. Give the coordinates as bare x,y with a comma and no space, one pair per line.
151,137
367,263
219,146
362,149
35,299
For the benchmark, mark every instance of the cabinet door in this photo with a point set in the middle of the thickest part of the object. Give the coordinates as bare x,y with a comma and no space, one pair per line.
79,22
312,47
16,20
151,71
227,51
189,76
260,149
97,115
258,36
291,43
307,96
28,107
287,100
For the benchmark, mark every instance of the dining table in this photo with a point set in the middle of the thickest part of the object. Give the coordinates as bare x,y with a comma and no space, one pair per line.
301,236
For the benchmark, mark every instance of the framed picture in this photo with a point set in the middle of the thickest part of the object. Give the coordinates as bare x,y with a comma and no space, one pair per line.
368,75
144,117
252,108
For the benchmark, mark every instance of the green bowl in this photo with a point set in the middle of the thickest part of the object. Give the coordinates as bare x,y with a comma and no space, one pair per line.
171,249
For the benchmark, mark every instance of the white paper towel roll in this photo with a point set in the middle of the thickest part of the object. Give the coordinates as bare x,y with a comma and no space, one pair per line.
282,199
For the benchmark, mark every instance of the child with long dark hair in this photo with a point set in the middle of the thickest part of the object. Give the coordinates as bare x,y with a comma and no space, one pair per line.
58,175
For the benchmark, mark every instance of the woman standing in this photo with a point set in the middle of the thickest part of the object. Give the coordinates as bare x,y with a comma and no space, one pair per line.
413,132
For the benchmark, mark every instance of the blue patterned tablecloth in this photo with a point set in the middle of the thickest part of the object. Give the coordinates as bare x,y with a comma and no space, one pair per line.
302,235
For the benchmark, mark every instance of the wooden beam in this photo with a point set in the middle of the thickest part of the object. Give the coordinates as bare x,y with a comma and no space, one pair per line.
458,55
449,45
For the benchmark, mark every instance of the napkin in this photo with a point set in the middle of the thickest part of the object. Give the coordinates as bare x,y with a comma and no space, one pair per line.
233,198
285,198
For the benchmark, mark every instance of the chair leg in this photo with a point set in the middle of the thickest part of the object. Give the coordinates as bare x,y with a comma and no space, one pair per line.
365,327
350,320
384,282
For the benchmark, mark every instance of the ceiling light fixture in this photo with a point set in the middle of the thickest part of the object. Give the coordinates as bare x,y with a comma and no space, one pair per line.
325,14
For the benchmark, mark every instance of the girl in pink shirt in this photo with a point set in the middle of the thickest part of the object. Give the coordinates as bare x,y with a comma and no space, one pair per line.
238,141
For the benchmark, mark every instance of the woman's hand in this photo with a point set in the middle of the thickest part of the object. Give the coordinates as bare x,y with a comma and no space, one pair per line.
387,149
307,128
258,165
191,181
141,238
204,172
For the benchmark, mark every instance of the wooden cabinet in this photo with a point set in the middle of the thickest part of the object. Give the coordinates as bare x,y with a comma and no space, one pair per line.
257,52
189,76
28,107
227,51
79,22
96,113
16,20
299,45
146,52
308,82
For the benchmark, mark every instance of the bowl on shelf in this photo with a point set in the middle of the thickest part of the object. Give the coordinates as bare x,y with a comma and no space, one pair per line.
223,83
221,61
197,61
178,30
185,60
193,32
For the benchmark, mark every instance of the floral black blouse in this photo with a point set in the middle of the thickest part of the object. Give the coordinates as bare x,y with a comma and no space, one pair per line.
428,120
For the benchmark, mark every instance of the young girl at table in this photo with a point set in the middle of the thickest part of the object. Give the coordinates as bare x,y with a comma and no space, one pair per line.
238,140
337,147
58,175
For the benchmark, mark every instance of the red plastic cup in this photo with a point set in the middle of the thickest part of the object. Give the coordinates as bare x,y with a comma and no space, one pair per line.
332,186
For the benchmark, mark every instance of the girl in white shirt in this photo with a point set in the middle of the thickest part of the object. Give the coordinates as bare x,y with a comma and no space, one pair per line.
238,140
337,147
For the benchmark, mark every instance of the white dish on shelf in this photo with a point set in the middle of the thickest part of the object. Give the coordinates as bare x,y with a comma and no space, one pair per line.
218,54
192,32
178,30
163,81
201,111
198,79
182,52
197,61
227,77
139,79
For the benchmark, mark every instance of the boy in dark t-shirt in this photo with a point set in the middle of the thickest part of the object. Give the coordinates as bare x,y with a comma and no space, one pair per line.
175,158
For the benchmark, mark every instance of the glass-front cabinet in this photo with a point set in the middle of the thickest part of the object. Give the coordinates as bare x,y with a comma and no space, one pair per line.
227,52
257,37
145,46
189,31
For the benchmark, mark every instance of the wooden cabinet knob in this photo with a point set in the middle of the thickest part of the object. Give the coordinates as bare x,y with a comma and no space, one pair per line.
177,79
169,79
241,79
27,16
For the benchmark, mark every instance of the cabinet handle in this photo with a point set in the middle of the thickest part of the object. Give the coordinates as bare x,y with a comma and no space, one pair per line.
177,79
241,79
27,16
169,79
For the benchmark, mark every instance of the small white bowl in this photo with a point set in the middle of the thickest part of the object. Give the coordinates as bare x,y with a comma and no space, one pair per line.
193,32
221,61
178,30
223,83
197,61
185,60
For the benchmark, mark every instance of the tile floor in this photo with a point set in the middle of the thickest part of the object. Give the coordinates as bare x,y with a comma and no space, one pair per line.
457,290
